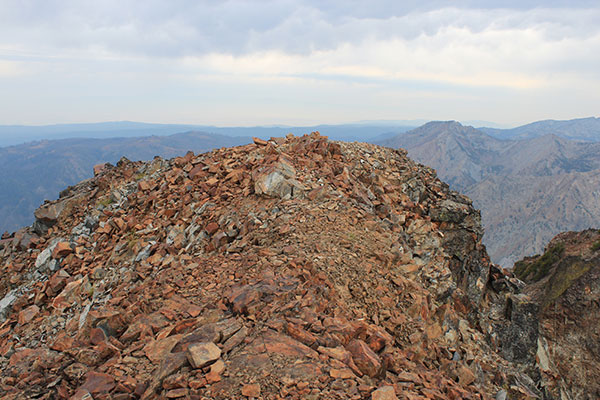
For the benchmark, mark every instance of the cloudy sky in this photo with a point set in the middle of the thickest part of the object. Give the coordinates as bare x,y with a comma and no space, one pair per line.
297,62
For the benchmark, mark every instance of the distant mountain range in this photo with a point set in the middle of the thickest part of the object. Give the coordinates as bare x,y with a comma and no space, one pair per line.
587,129
528,189
15,134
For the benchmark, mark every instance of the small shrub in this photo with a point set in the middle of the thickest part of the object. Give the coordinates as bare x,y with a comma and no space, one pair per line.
596,246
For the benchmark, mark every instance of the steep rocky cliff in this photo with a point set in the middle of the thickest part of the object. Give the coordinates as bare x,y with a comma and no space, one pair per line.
565,283
296,268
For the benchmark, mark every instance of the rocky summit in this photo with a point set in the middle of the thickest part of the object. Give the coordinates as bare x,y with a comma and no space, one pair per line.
294,268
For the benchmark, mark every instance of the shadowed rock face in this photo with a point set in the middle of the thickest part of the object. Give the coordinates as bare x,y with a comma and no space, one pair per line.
203,276
565,283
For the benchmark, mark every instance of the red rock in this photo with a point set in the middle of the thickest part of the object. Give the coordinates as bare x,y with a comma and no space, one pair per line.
242,298
235,340
75,371
176,393
171,364
218,367
68,295
144,186
99,168
301,335
97,382
28,314
344,373
211,228
384,393
251,390
296,273
62,342
337,353
202,354
365,358
175,382
284,345
259,142
465,375
97,335
196,384
156,350
378,340
48,213
61,249
81,394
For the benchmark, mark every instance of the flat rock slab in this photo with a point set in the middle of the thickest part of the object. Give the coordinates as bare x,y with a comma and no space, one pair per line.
384,393
202,354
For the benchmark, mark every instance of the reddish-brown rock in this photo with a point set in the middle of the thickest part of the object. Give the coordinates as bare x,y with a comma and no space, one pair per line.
156,350
251,390
99,168
203,354
365,359
384,393
28,314
259,142
97,382
176,393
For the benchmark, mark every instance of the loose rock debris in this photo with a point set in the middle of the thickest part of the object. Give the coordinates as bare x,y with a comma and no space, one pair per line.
294,268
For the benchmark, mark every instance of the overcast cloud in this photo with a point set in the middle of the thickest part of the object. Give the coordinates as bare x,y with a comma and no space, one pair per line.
264,62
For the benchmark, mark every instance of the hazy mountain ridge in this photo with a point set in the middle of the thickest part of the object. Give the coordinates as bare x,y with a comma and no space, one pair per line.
587,129
528,190
18,134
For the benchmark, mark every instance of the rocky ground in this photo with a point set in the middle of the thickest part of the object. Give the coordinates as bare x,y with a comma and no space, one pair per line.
297,268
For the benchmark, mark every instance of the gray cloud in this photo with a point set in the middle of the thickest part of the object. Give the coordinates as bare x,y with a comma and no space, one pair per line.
282,61
183,27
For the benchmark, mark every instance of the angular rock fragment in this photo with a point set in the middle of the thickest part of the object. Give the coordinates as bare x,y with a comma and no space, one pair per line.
365,359
202,354
384,393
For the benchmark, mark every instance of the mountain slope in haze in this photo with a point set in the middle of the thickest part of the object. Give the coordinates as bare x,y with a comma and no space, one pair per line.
37,171
461,154
528,190
587,129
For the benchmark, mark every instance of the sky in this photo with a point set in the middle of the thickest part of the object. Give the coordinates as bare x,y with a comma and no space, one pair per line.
235,63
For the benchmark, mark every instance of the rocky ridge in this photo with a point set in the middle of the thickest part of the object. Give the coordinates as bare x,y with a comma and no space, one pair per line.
292,268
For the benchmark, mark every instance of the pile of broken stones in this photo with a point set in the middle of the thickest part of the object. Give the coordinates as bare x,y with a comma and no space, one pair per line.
294,268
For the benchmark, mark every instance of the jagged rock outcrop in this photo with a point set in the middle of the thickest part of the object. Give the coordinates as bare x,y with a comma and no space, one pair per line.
295,268
564,282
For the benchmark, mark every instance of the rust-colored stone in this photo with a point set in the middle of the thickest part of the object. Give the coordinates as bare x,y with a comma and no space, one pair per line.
365,358
251,390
